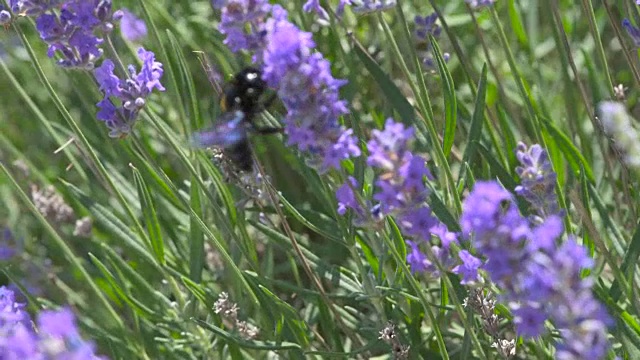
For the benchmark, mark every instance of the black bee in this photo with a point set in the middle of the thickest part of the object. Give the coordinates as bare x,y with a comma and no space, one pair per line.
241,103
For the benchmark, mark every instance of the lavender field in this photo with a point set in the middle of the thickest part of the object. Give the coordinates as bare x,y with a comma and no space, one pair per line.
321,179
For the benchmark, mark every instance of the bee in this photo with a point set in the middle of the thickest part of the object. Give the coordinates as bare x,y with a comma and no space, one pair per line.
241,102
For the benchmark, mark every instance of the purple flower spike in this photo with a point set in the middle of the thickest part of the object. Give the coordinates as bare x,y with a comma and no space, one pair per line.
633,32
538,180
57,336
468,269
5,16
8,244
388,147
132,27
314,5
301,76
73,29
478,4
416,259
371,6
346,197
129,93
540,279
11,312
426,26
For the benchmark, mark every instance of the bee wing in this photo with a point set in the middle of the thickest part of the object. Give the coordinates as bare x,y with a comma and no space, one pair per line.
228,131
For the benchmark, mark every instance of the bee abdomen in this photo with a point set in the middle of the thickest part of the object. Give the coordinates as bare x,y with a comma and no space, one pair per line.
240,154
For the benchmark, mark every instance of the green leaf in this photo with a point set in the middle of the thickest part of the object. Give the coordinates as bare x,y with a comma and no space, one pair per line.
449,93
442,213
116,227
298,216
195,289
505,178
387,86
249,344
628,266
70,256
572,154
517,25
150,217
475,131
137,306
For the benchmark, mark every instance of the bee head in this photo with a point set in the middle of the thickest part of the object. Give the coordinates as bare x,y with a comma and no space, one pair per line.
250,83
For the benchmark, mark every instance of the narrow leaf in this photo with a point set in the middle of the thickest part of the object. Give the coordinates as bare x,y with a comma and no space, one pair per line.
449,94
150,217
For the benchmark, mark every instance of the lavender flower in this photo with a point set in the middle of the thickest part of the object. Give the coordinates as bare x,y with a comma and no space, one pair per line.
302,78
478,4
347,198
132,27
426,26
618,124
237,16
401,187
32,7
57,336
11,312
310,94
540,279
401,192
538,180
5,16
370,6
633,32
468,269
314,5
7,245
130,93
71,31
500,232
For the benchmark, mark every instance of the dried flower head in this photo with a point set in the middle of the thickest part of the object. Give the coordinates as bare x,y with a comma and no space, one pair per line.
228,310
83,227
388,335
51,205
619,92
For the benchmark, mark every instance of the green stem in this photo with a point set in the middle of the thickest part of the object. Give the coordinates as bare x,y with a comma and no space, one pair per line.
518,78
419,292
588,8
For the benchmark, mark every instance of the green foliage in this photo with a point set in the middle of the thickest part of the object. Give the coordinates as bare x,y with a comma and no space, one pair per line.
171,233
